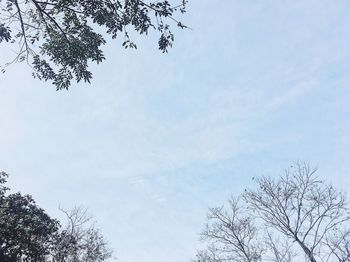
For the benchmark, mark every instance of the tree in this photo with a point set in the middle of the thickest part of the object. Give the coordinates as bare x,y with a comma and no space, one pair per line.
281,219
59,38
26,231
80,241
28,234
235,235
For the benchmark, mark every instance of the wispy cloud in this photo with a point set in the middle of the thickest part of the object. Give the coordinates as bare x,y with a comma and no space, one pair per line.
157,139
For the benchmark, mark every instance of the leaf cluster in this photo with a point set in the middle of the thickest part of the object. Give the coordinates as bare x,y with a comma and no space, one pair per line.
60,38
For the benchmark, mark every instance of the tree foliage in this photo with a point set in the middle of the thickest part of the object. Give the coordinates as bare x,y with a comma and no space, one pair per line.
28,234
26,231
59,38
297,217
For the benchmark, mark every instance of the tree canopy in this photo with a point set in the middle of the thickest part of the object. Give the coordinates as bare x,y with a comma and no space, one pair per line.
26,231
60,38
28,234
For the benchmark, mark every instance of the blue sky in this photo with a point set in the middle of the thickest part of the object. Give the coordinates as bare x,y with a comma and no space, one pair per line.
157,139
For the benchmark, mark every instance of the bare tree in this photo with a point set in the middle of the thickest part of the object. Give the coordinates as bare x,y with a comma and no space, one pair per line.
209,255
279,250
295,211
232,234
80,240
339,245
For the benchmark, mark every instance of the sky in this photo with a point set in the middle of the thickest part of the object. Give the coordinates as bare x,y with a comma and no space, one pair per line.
156,138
